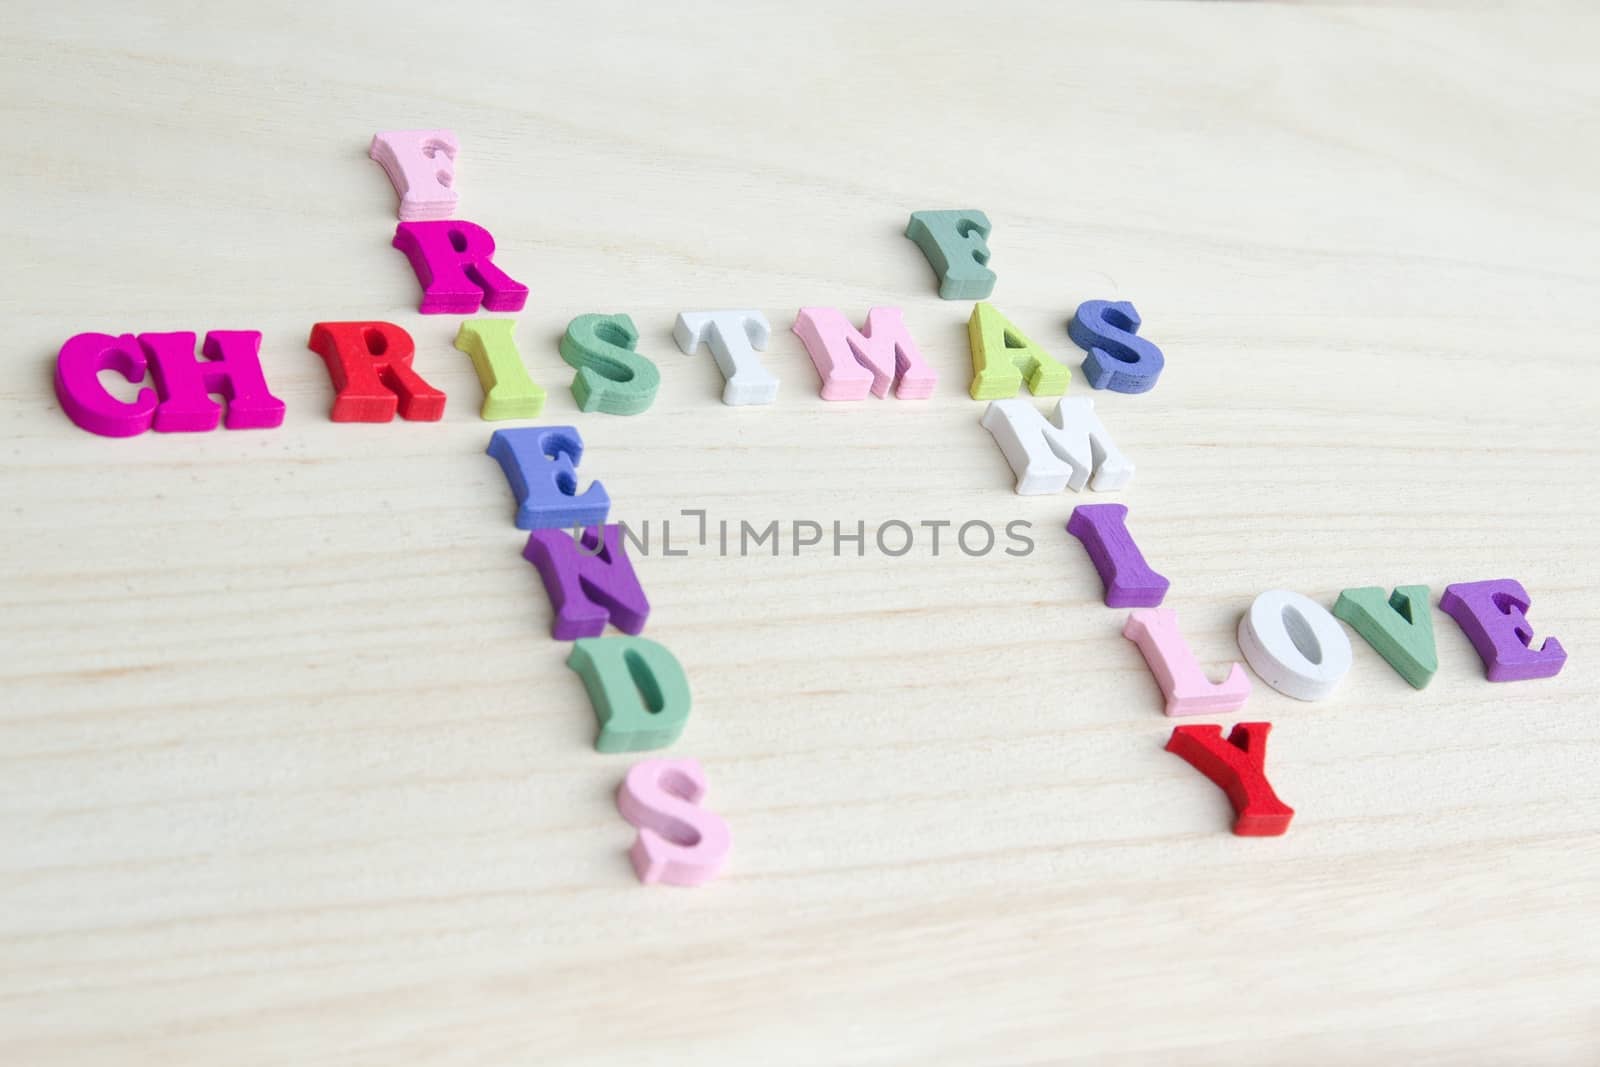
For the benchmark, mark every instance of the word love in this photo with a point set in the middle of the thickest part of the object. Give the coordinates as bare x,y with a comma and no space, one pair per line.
1298,648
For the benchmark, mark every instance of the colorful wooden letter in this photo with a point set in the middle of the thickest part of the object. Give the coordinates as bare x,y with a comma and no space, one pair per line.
954,243
1002,355
454,261
1118,359
611,376
1048,458
540,463
508,392
638,690
181,400
231,367
588,585
370,364
86,401
1237,766
1129,582
1399,627
679,842
1183,683
854,362
1493,615
734,338
421,167
1294,645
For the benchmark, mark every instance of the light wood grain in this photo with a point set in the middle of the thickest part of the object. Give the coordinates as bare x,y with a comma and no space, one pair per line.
292,773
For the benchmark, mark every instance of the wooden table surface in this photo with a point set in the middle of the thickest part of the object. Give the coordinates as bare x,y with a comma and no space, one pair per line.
292,772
